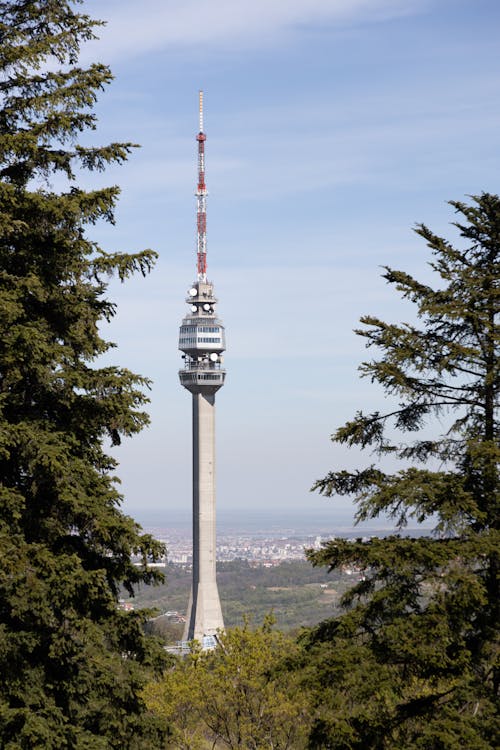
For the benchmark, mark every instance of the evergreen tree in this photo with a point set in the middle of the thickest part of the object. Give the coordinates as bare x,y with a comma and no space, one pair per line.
414,662
71,665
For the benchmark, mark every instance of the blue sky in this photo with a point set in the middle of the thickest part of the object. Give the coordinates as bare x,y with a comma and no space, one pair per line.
333,127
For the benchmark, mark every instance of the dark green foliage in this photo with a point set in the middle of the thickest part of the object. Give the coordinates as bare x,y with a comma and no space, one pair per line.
71,665
414,661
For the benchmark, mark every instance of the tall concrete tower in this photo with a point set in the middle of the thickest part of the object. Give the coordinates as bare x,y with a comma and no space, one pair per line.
202,341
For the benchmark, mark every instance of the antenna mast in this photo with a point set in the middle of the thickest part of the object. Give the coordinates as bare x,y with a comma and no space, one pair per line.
201,200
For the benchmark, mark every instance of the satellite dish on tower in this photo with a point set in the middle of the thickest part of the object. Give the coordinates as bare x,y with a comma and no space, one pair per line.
214,357
193,292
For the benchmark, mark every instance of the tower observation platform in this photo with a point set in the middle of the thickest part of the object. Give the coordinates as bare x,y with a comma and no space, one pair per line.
202,341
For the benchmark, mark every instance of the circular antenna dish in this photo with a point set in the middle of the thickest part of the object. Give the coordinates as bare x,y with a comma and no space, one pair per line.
194,308
193,292
214,357
206,307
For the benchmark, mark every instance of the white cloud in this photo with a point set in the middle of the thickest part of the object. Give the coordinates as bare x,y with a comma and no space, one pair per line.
153,24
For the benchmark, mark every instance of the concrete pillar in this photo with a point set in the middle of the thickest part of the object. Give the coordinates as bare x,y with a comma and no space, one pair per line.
204,616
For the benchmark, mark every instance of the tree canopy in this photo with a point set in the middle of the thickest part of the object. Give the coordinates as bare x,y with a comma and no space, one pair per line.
414,661
241,695
71,664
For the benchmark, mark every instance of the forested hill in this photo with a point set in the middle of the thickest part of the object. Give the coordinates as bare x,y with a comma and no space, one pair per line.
295,592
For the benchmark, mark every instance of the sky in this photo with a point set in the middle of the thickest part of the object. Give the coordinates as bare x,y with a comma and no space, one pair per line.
333,127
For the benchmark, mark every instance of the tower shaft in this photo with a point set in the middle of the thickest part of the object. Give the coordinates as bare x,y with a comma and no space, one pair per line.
204,616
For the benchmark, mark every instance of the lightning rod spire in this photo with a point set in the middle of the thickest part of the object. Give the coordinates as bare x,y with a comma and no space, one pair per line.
201,111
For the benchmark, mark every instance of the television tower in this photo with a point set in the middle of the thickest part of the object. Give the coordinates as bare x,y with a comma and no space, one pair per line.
202,341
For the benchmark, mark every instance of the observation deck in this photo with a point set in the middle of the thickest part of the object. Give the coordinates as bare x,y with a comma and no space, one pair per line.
202,339
196,375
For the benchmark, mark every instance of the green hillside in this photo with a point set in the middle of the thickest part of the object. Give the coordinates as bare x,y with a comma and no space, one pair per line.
295,592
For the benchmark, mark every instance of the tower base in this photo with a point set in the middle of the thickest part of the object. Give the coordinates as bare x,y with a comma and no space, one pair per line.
204,614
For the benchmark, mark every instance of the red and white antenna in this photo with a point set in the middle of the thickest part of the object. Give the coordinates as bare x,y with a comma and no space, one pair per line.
201,200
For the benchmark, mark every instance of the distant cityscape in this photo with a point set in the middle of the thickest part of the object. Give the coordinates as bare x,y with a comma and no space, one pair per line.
262,547
258,549
267,548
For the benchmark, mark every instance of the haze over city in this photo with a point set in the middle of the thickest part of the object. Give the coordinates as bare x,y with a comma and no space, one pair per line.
332,128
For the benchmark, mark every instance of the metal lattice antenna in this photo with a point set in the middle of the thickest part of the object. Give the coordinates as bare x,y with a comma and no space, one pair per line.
201,200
